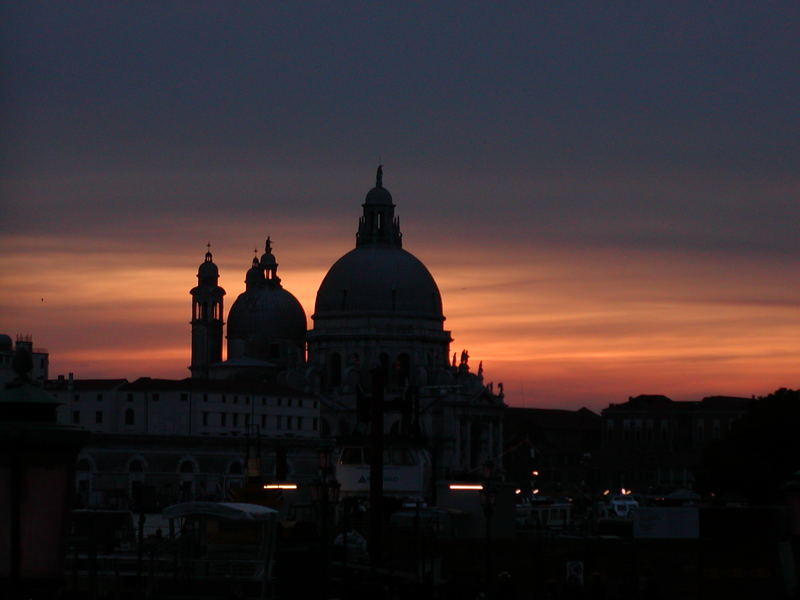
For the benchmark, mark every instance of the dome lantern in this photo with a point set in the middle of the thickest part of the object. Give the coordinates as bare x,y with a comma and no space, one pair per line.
378,226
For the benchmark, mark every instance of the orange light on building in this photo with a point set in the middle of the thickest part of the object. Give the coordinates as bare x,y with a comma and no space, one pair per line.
465,486
280,486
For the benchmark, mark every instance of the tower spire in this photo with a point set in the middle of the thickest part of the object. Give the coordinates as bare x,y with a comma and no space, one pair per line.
206,322
379,177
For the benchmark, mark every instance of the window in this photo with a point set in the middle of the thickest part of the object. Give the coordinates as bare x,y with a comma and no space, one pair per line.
98,417
279,422
288,422
129,417
289,402
184,397
205,418
76,416
247,399
315,423
223,419
263,402
76,397
300,423
235,419
247,420
236,399
130,397
205,397
316,404
99,397
156,397
264,421
224,399
279,401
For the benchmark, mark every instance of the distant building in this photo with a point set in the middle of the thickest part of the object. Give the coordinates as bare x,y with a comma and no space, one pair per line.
551,450
40,356
652,442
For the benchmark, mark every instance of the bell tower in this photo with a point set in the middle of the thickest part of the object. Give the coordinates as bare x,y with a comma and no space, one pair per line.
206,318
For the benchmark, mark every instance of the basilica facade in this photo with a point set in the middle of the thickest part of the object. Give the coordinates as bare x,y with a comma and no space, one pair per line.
378,329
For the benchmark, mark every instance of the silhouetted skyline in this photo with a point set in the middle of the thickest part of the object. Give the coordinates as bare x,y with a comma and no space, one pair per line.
606,195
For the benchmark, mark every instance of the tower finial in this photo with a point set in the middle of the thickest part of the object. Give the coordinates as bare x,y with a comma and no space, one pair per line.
379,177
208,252
268,246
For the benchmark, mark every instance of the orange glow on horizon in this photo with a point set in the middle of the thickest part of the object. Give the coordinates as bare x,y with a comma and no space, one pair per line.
576,329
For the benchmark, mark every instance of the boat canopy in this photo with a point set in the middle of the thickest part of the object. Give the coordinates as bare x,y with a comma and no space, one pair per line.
232,511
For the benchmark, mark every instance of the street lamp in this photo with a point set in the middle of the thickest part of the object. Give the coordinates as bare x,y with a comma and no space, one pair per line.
37,458
488,499
325,491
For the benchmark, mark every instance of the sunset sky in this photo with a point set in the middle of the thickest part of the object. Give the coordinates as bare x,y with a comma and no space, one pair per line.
607,194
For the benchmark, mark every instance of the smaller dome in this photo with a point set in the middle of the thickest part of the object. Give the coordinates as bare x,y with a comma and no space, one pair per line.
378,195
5,343
266,314
255,275
208,272
268,259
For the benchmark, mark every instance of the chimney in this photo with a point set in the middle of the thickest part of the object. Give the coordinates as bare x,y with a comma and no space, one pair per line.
70,382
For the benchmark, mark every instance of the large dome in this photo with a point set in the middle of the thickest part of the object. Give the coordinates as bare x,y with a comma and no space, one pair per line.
383,280
267,314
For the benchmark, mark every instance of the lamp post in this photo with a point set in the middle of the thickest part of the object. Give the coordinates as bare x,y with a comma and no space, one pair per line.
37,458
488,498
324,492
586,462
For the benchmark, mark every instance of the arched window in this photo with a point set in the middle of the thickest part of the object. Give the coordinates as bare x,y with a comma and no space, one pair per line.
402,369
187,466
136,466
84,465
384,358
335,369
130,417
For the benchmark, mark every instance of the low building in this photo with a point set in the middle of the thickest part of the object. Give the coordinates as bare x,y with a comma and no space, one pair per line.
550,449
653,443
169,440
